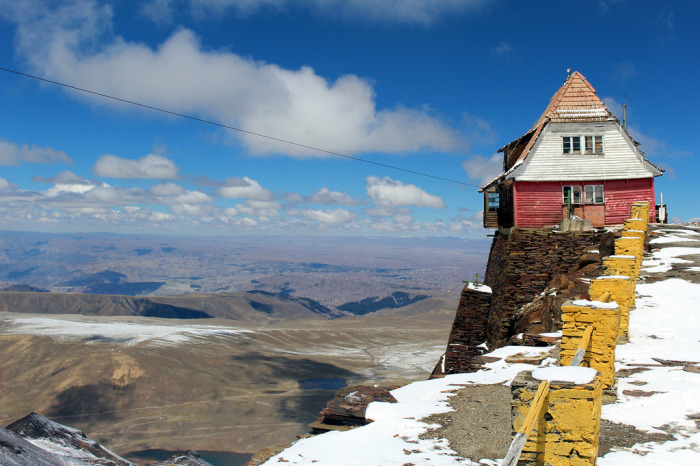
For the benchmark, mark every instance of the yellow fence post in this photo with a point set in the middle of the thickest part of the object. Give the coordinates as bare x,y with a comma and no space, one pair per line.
640,210
567,429
632,246
600,354
534,413
619,289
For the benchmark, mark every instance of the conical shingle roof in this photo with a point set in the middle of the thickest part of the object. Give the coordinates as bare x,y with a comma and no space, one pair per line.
575,101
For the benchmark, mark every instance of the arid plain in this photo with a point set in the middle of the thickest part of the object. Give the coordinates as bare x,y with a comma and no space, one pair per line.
230,382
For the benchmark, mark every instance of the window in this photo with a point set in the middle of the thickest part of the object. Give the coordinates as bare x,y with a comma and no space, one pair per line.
572,144
594,145
594,194
494,201
591,144
572,194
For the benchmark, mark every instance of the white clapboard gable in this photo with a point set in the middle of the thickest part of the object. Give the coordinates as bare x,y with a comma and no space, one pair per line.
620,159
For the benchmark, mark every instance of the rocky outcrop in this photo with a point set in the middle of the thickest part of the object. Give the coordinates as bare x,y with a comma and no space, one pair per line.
530,272
38,441
521,266
347,409
187,458
468,333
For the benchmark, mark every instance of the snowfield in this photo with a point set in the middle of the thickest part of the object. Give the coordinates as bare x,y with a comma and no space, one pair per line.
126,333
665,325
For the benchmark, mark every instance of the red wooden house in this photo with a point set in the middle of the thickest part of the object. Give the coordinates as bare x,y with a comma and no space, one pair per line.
576,160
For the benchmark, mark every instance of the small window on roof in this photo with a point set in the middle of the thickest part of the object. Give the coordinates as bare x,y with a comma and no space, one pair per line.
594,144
571,144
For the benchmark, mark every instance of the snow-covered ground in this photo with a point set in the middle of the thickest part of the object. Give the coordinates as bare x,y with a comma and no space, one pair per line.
125,333
665,325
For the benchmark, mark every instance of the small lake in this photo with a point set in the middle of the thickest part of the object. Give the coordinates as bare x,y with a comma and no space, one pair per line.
325,383
216,458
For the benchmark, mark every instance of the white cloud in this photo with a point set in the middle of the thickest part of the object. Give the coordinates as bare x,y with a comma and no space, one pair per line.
159,11
422,12
13,154
482,168
256,204
326,196
244,188
152,166
386,211
193,198
72,43
292,197
65,177
501,49
166,189
76,188
4,184
386,192
332,217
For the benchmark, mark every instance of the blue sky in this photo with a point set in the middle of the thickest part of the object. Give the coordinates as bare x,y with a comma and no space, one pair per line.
431,86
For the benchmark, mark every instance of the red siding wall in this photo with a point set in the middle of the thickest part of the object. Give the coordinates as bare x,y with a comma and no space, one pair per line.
620,194
539,205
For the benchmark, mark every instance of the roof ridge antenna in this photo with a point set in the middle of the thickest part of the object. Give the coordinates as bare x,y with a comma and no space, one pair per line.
624,112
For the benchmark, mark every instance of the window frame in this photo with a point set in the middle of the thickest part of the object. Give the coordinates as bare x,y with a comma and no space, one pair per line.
597,194
596,144
578,144
493,201
574,189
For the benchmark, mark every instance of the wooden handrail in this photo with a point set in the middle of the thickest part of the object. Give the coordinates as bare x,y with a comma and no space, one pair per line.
581,350
516,446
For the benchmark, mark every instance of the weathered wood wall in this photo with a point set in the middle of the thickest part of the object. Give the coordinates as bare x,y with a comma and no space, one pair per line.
547,162
539,205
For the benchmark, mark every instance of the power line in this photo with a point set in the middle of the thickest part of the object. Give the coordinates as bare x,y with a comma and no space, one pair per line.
209,122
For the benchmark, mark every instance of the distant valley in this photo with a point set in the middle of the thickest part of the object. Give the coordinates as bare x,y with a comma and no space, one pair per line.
149,342
353,274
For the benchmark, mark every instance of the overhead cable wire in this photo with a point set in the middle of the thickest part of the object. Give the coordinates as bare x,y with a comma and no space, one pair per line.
240,130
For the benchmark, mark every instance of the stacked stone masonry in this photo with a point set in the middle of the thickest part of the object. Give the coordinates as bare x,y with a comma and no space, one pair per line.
568,427
600,352
618,289
468,332
519,268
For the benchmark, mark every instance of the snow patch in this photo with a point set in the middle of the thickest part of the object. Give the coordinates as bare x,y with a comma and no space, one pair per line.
124,333
569,374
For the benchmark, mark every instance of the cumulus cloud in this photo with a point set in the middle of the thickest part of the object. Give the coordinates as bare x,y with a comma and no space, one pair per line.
4,184
152,166
422,12
65,177
14,154
166,189
244,188
72,43
482,168
75,188
193,198
386,192
326,196
330,216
